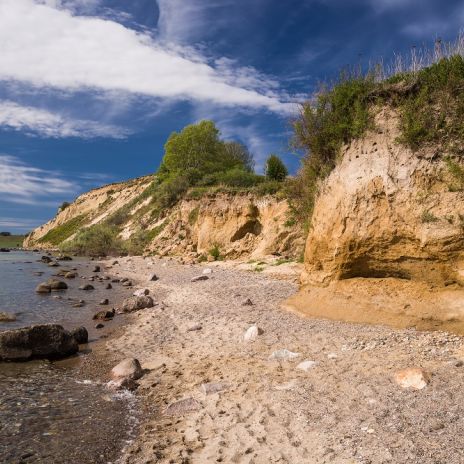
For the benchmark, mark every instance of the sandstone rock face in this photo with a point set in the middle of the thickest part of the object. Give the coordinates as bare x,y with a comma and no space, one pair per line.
386,212
39,341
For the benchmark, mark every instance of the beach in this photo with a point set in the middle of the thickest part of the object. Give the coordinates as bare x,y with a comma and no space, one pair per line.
210,396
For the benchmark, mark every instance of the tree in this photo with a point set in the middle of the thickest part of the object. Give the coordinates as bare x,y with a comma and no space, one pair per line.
5,234
237,155
196,148
275,168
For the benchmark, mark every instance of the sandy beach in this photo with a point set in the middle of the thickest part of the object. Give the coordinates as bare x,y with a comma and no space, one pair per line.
210,396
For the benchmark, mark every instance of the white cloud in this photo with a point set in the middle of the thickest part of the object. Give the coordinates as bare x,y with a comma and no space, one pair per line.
25,184
45,123
48,47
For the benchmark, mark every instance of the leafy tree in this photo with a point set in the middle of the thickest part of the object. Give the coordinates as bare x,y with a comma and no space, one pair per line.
275,168
195,149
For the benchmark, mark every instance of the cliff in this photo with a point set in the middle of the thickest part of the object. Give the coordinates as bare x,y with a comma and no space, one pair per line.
387,235
228,225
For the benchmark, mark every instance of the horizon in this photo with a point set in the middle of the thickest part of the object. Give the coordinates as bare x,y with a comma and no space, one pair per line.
91,89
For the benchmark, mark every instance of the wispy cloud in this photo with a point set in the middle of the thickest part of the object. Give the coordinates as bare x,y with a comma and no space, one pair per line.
47,46
25,184
37,121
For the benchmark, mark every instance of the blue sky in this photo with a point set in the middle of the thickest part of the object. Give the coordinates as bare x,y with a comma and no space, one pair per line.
91,89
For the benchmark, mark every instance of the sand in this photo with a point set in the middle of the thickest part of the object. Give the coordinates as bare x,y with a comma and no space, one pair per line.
242,407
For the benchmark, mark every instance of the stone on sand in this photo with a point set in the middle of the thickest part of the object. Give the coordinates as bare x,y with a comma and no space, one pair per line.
252,333
129,368
412,377
283,355
199,278
307,365
181,407
135,303
141,292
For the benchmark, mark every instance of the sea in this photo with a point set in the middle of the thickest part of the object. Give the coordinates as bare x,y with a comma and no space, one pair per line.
53,411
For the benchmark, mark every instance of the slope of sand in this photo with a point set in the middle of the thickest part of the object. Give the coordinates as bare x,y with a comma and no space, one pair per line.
345,409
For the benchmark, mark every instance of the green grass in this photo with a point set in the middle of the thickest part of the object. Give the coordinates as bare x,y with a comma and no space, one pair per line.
59,234
12,241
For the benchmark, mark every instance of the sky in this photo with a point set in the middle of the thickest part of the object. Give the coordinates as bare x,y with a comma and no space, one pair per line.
91,89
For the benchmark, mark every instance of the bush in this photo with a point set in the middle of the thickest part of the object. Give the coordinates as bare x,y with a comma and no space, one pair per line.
63,206
97,240
276,169
215,252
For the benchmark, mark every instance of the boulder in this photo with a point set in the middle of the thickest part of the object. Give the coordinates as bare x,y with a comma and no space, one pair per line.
81,335
39,341
135,303
56,284
252,333
128,369
141,292
104,315
413,377
43,288
199,278
86,287
7,317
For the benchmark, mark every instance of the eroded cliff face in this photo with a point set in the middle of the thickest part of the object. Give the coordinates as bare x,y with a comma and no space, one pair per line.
235,225
387,212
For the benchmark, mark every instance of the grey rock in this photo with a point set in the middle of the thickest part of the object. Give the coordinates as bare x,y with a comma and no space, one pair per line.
179,408
7,317
81,335
128,369
96,269
108,287
135,303
199,278
56,284
87,287
104,315
43,288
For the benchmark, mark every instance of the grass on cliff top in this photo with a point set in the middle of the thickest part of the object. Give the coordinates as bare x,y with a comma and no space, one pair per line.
429,101
11,241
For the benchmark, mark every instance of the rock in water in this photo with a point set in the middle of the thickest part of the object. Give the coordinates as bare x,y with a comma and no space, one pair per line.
43,288
87,287
137,302
39,341
7,317
252,333
128,369
104,315
413,377
283,355
199,278
56,284
80,335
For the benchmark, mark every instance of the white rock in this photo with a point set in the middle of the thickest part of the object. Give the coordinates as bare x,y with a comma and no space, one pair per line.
306,365
413,377
207,271
332,356
252,333
128,369
141,292
283,355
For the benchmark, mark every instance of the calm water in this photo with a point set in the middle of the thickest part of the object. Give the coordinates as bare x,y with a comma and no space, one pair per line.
49,411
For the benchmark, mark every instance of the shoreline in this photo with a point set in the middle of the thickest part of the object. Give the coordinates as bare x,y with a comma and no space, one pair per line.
208,396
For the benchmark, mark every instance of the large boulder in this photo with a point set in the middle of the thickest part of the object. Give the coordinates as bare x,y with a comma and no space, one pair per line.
137,302
39,341
81,335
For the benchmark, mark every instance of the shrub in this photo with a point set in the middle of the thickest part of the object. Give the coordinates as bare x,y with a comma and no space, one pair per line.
275,168
193,216
63,206
215,252
97,240
457,172
427,217
62,232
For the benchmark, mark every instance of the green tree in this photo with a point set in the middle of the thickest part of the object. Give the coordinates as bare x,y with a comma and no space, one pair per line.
275,168
196,149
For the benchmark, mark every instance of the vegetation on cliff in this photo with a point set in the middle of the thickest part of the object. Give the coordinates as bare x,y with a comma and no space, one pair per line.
427,93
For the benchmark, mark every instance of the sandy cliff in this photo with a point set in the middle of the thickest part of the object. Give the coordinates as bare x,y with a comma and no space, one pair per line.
387,236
